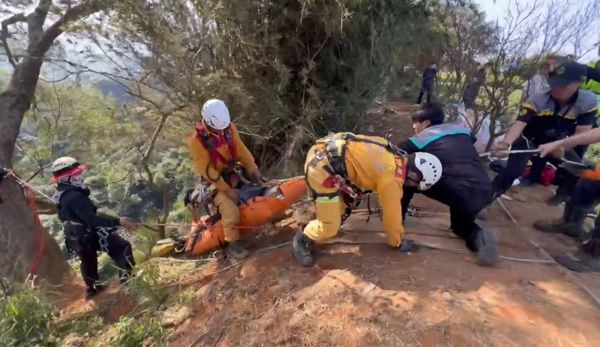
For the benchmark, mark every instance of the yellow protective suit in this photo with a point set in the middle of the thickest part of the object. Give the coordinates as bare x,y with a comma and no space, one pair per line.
369,167
212,171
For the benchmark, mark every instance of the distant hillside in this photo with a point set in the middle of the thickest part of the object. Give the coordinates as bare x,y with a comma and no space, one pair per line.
112,89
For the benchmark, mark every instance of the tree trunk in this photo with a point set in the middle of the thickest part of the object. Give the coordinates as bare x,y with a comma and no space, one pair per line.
18,234
19,241
19,237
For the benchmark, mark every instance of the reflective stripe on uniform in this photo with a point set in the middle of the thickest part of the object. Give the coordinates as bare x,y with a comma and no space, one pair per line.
328,199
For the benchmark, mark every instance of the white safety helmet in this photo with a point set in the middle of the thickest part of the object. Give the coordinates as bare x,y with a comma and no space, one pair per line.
430,167
215,114
66,168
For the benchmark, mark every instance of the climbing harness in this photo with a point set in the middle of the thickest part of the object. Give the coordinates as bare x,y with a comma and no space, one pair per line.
211,143
103,234
335,154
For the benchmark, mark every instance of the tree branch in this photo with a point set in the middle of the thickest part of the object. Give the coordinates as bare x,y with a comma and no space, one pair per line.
72,14
19,17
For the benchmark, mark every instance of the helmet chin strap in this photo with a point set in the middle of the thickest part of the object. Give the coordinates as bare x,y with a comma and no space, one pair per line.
76,181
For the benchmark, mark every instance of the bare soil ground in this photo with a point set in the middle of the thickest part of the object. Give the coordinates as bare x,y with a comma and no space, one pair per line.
368,295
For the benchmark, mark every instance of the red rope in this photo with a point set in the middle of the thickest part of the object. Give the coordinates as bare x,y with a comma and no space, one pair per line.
41,238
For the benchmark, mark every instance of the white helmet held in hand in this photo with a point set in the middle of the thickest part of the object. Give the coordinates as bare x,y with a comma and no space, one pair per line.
430,167
215,114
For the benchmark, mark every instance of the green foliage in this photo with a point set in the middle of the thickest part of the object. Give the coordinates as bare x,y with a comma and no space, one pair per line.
135,332
25,319
290,71
147,286
86,326
142,243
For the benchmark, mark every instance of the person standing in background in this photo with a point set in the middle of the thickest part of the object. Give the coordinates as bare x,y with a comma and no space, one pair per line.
427,83
473,86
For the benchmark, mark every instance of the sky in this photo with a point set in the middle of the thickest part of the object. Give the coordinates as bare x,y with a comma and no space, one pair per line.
495,10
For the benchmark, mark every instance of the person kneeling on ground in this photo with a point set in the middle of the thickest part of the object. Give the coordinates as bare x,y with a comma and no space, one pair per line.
585,197
464,186
85,231
340,167
216,148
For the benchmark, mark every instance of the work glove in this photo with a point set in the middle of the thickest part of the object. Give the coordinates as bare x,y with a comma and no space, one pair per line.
256,177
408,246
500,149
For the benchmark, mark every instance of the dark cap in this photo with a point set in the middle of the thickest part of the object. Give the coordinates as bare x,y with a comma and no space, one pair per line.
566,74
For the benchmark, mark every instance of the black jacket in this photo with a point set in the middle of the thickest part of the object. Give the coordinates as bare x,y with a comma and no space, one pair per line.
461,166
75,205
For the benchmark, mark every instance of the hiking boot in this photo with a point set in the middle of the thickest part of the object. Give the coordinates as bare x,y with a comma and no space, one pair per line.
556,226
237,251
487,247
301,249
94,290
579,262
557,199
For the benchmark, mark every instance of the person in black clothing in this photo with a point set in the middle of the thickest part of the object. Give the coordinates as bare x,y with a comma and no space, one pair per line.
473,87
87,232
563,111
427,83
464,186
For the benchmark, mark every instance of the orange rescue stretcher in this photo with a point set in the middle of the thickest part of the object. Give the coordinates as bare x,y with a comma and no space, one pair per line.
254,213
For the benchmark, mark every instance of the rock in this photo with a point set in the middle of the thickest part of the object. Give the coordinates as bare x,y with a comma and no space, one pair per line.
73,340
175,315
447,296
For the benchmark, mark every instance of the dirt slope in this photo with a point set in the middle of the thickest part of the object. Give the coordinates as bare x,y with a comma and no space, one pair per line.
368,295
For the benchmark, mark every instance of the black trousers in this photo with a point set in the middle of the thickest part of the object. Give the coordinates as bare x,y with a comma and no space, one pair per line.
87,249
518,162
426,88
464,202
585,197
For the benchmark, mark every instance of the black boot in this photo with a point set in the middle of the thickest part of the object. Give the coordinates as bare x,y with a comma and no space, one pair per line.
237,251
487,247
572,223
301,249
93,290
557,199
581,261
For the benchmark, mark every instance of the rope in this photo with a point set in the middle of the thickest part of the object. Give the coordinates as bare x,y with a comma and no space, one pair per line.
33,189
516,151
440,248
566,271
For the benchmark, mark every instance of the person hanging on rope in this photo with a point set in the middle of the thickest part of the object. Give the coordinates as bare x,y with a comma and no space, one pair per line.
216,149
464,186
341,167
86,231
